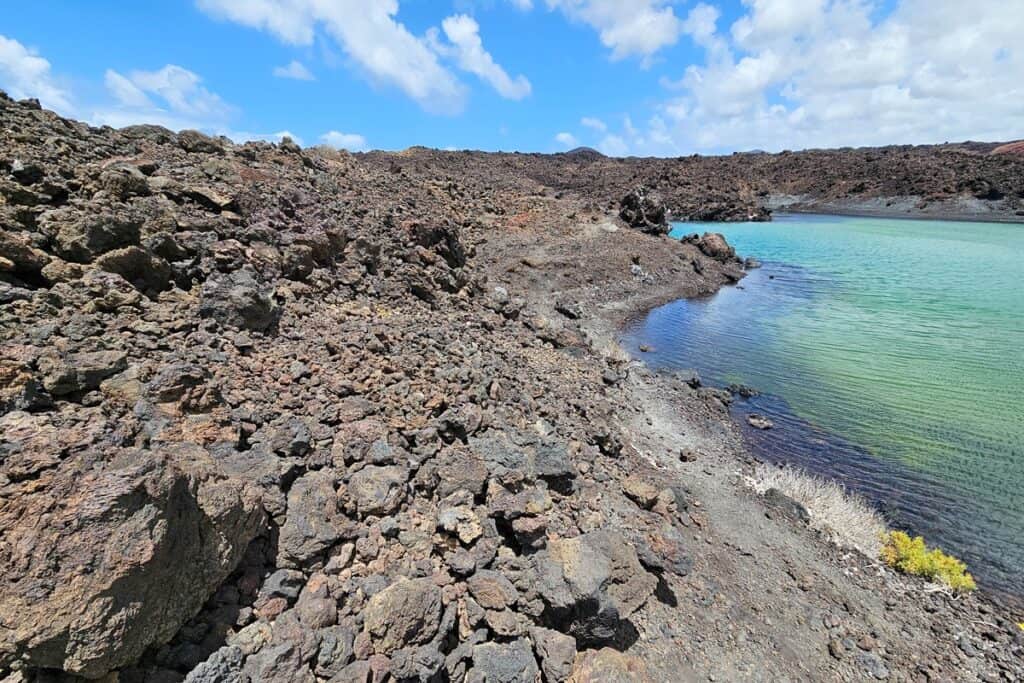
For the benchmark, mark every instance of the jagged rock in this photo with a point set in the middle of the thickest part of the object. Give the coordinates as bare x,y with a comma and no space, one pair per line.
416,664
20,388
194,141
80,237
461,521
223,666
492,590
314,522
335,650
405,613
503,663
609,666
24,259
459,469
556,651
78,372
148,273
645,210
591,584
106,560
641,491
526,457
377,490
237,299
123,181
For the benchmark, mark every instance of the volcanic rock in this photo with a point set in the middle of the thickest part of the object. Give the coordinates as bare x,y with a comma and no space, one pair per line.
135,544
591,584
645,211
406,613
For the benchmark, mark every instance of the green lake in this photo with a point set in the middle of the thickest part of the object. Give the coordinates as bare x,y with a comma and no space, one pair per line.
890,354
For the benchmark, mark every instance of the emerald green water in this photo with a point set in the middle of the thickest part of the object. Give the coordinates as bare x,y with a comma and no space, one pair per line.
890,354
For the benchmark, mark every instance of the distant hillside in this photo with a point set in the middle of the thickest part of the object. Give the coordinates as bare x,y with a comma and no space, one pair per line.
1010,148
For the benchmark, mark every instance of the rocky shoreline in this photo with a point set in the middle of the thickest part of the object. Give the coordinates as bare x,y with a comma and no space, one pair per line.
274,414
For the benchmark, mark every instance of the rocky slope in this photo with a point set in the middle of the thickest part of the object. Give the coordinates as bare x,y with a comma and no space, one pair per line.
272,414
940,181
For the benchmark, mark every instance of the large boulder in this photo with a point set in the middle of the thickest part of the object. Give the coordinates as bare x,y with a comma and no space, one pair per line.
405,613
104,557
377,490
644,210
713,245
591,584
148,273
314,522
77,372
503,663
80,237
238,299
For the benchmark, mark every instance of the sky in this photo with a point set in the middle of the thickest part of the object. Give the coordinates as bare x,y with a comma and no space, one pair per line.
627,77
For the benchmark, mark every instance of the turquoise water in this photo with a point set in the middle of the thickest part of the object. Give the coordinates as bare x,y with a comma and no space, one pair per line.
890,353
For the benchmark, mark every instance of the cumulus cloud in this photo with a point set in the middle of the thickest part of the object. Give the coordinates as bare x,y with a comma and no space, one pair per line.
637,28
567,140
816,73
294,70
23,73
171,96
381,46
613,146
594,124
468,50
338,140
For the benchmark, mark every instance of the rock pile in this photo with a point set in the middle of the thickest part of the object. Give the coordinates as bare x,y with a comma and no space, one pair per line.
264,419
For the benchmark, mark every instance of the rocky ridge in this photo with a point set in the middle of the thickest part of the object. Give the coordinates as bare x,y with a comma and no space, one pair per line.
274,414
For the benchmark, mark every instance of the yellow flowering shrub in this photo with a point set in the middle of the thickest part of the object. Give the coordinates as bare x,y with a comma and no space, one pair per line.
912,556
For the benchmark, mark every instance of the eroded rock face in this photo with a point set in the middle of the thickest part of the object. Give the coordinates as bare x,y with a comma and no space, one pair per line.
103,560
591,584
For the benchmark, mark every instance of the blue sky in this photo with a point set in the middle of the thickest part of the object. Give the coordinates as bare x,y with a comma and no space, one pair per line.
650,77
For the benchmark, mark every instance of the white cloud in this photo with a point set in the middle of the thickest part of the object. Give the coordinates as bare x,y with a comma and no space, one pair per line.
367,32
23,73
289,20
173,97
637,28
567,140
339,140
594,124
469,53
294,70
613,146
524,5
827,73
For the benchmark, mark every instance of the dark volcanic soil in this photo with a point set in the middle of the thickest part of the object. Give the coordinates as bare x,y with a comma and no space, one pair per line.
272,414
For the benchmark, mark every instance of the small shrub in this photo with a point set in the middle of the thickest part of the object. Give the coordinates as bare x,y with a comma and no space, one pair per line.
844,517
912,556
